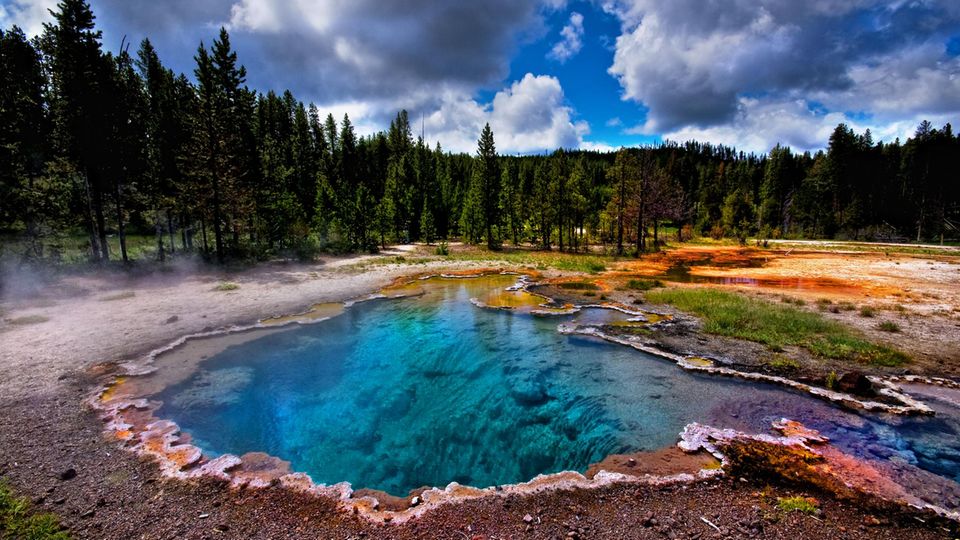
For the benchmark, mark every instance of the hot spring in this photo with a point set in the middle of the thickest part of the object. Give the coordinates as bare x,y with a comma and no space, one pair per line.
395,394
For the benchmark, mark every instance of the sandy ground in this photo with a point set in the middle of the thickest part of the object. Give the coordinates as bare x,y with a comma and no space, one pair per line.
92,319
44,429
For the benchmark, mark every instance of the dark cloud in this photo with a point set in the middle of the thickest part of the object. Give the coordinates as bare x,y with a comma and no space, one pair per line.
336,50
690,62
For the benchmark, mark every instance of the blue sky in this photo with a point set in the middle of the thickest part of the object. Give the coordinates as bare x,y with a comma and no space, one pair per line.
577,73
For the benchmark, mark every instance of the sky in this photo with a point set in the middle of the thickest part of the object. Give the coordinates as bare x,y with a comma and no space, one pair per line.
594,74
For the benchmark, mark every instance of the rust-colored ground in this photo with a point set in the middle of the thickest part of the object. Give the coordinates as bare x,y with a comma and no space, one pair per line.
919,294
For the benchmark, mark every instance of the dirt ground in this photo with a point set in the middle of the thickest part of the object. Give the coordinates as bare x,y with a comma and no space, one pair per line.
918,293
48,342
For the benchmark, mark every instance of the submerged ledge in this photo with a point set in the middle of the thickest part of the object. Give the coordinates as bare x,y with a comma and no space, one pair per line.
131,420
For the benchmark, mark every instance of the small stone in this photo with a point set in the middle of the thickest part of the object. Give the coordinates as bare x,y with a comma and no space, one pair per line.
222,528
204,516
528,518
68,474
172,319
89,513
631,462
414,501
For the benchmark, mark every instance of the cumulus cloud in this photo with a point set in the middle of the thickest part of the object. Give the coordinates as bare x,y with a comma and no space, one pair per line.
694,63
528,116
571,42
29,15
759,124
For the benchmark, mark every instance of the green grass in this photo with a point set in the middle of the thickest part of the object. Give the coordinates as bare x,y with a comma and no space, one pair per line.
644,284
28,319
797,504
776,325
781,362
75,248
867,311
226,286
17,522
570,262
888,326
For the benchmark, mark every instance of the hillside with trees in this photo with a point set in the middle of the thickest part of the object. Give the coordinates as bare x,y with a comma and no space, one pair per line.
97,145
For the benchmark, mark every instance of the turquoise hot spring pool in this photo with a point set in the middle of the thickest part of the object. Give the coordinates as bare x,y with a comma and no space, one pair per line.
395,394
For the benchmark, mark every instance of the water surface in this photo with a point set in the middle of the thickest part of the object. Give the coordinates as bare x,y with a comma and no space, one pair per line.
398,394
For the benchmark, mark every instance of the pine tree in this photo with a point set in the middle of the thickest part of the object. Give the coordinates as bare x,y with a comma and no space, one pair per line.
80,106
485,190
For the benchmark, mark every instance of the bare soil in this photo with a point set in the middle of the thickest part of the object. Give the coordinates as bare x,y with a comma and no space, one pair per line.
45,372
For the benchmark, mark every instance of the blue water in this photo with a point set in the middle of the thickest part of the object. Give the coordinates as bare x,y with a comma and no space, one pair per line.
398,394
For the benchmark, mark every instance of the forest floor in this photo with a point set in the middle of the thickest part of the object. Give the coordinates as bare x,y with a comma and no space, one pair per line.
52,449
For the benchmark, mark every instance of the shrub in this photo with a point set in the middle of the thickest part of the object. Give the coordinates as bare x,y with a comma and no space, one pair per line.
889,326
867,311
832,380
226,286
443,249
17,521
797,504
781,362
644,284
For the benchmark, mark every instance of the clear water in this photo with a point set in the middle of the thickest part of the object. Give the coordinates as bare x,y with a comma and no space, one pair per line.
398,394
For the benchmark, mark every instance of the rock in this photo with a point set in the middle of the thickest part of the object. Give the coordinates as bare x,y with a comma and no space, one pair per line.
528,519
631,462
172,319
855,382
89,513
68,474
415,501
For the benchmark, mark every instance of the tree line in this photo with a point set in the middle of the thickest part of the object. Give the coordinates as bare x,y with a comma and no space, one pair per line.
106,144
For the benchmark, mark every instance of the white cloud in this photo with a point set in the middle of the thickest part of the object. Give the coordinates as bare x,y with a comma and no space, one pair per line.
572,41
528,116
759,124
692,63
29,15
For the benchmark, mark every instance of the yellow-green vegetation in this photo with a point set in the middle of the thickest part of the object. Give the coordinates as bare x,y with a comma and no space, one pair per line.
780,362
832,380
867,311
17,522
791,300
226,286
118,296
570,262
888,326
644,284
776,325
28,319
803,505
